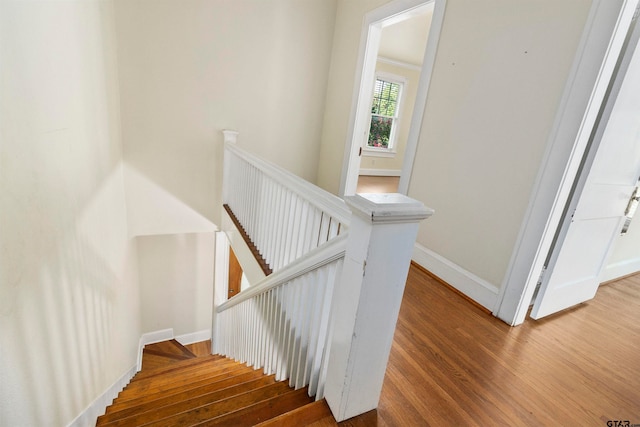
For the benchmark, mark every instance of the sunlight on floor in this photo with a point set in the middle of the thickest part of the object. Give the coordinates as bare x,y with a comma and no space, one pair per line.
377,184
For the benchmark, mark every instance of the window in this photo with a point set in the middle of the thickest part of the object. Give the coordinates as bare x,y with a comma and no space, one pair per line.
385,108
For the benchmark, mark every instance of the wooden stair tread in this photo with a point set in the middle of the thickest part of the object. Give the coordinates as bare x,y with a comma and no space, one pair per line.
169,348
209,393
180,371
205,386
180,386
262,411
212,404
152,362
302,416
200,349
167,352
220,409
167,387
145,373
329,422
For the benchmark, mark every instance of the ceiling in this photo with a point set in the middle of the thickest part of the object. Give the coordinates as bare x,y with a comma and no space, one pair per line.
406,40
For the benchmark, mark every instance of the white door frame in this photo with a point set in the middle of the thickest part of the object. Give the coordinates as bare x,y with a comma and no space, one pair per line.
597,55
363,90
578,195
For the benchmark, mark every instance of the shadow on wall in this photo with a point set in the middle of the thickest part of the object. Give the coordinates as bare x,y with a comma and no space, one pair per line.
68,294
153,210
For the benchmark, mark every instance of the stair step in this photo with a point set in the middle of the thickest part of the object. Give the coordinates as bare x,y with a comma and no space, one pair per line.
211,384
223,407
166,385
204,394
187,386
152,361
181,370
176,404
169,348
200,349
144,373
302,416
262,411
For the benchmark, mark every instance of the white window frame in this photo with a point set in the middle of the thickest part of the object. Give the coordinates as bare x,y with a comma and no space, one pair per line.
390,150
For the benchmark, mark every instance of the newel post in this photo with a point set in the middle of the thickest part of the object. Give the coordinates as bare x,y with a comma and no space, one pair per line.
230,136
367,299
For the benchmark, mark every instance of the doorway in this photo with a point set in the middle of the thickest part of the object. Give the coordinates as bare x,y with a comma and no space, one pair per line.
601,43
418,23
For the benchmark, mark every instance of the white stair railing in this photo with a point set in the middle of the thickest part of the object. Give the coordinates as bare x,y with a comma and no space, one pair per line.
281,324
284,215
326,316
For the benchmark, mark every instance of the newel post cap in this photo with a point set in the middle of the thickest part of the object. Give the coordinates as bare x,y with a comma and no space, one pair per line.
230,136
388,207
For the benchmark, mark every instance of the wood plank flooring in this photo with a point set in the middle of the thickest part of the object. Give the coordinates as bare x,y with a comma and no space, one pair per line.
377,184
454,364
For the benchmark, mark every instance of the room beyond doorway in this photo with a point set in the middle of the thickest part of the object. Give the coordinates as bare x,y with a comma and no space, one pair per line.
369,60
377,184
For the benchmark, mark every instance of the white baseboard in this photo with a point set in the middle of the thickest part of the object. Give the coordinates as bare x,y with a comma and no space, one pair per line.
194,337
150,338
620,269
380,172
89,416
479,290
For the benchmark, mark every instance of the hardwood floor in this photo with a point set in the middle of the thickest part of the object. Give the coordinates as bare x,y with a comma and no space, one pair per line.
453,364
377,184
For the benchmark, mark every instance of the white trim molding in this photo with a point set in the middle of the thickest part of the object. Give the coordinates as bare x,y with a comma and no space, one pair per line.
479,290
378,152
98,407
620,269
400,64
587,84
186,339
380,172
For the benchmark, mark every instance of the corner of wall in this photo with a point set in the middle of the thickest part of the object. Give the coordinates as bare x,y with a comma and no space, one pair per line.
479,290
150,338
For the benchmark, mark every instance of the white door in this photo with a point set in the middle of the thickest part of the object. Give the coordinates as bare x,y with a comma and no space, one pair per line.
601,196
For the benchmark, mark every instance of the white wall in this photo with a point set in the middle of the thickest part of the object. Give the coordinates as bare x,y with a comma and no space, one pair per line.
499,73
494,93
190,68
176,282
187,70
69,307
340,87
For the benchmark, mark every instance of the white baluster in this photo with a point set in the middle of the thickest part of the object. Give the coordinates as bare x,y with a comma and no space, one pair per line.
278,333
304,221
261,328
319,283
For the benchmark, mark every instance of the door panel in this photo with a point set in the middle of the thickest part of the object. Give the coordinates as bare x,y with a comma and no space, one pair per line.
611,171
576,275
603,200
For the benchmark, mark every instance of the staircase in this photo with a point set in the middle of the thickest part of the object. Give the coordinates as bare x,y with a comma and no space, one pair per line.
187,386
